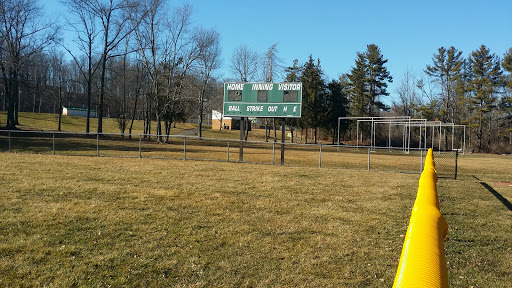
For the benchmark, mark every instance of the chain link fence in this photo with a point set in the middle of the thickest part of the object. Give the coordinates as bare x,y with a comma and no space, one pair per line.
194,148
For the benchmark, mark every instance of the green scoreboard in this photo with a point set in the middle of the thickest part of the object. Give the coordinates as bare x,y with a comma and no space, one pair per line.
283,100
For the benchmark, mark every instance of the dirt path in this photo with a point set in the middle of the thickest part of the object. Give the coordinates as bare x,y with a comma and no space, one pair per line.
188,132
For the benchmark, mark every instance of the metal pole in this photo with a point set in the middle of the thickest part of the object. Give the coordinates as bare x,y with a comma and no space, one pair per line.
440,136
389,137
453,132
283,128
242,134
228,150
369,159
338,131
273,153
403,138
425,145
371,134
464,147
320,157
140,146
456,162
357,136
420,137
409,138
97,145
53,144
421,161
444,137
184,148
432,136
374,137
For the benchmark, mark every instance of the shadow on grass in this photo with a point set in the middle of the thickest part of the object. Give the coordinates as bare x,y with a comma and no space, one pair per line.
497,195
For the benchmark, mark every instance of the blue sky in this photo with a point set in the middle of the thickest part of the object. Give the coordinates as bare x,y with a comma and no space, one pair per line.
407,32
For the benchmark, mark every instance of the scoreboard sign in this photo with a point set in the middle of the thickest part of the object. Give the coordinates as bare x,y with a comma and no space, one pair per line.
283,100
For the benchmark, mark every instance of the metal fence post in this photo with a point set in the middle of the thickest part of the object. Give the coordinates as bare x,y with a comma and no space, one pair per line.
369,158
9,141
273,153
140,146
320,157
421,161
97,145
456,162
184,148
228,150
53,143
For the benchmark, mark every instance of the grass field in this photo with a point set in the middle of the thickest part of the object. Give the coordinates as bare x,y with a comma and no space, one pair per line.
94,221
75,124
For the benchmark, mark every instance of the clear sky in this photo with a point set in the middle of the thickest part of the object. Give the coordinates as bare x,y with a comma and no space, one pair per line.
408,32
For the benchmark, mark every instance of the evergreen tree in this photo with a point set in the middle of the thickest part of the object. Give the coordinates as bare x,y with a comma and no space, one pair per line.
313,90
336,105
358,91
292,73
506,101
447,70
485,77
507,65
378,76
368,81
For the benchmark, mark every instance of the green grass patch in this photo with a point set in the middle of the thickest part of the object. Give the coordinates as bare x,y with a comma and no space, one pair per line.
95,221
76,124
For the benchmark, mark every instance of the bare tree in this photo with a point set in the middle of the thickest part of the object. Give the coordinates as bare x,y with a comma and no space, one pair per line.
209,60
84,25
406,91
181,53
23,32
272,68
114,16
272,64
150,48
244,63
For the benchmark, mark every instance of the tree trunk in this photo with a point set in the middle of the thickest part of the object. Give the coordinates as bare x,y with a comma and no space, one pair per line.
60,108
133,114
291,130
266,130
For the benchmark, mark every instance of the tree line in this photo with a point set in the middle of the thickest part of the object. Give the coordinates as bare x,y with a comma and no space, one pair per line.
148,60
129,60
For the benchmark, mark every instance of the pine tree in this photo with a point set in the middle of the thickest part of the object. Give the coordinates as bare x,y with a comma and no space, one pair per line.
292,73
358,91
336,105
378,76
368,81
485,77
506,101
447,71
313,90
507,65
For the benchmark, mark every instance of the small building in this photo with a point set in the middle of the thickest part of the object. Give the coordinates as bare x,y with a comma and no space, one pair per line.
75,111
219,121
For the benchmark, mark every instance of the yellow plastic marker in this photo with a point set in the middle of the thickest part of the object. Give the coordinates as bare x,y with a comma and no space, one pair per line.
423,262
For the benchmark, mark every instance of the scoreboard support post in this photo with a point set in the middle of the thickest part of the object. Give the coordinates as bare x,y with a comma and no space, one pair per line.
283,125
242,139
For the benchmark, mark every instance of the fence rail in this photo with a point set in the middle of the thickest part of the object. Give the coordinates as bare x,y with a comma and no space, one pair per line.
195,148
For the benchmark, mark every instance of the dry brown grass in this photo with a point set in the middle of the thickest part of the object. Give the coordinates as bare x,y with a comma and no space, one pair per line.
88,221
